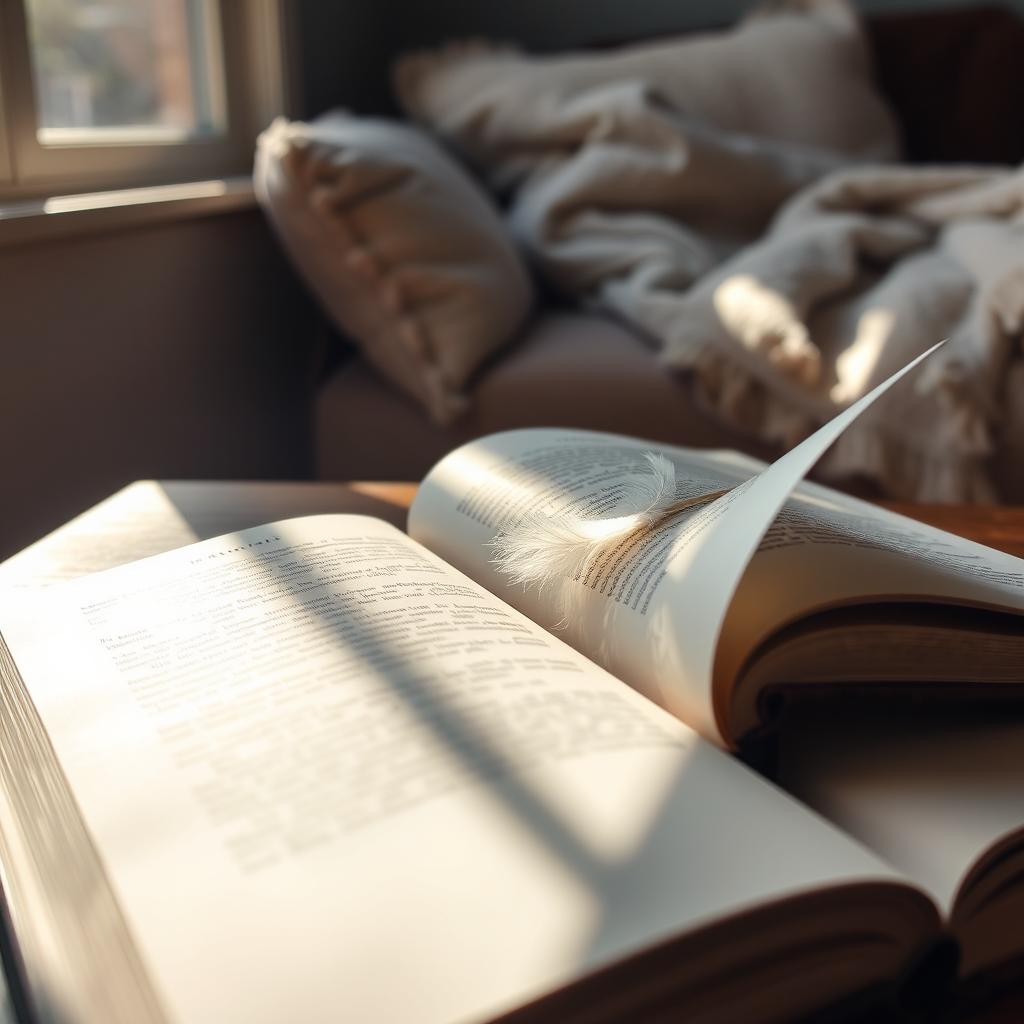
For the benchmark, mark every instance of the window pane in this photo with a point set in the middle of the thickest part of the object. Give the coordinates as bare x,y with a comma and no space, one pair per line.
123,69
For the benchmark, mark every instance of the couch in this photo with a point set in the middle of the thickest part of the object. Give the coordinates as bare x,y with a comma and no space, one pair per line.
954,80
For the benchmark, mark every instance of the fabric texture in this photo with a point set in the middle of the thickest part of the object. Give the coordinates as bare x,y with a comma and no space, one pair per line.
859,274
782,73
566,369
639,170
403,250
724,196
655,162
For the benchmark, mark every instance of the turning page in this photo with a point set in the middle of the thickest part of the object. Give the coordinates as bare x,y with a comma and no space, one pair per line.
655,616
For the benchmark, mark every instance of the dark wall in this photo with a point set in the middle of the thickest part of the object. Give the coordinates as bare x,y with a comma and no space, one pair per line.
177,350
344,51
347,45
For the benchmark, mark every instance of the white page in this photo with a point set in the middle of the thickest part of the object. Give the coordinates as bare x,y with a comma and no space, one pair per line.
399,886
668,651
929,797
148,517
474,492
930,792
138,521
827,549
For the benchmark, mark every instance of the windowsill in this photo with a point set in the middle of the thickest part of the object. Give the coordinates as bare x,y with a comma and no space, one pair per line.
61,216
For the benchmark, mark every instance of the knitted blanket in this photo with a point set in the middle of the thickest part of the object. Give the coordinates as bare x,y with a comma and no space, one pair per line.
858,274
724,196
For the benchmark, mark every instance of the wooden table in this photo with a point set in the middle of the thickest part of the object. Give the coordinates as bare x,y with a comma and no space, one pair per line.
997,526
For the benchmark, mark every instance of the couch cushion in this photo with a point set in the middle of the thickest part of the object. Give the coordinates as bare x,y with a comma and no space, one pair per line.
404,251
570,370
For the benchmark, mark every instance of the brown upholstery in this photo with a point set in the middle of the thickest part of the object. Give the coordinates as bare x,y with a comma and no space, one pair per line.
1009,468
570,370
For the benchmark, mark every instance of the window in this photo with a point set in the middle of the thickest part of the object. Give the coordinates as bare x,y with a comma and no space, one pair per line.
98,94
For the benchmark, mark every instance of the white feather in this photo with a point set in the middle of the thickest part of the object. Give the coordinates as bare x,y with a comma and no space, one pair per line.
540,549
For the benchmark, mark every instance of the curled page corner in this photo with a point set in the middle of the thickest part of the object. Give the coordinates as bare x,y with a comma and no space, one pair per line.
708,560
667,650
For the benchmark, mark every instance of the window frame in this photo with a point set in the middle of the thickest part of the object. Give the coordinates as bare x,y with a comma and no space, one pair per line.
6,166
253,40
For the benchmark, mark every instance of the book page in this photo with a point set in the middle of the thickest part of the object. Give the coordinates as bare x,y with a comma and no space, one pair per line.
483,487
670,590
149,516
138,521
941,795
827,549
315,760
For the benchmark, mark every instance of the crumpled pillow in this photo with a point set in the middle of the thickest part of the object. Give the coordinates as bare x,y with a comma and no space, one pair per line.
403,250
796,72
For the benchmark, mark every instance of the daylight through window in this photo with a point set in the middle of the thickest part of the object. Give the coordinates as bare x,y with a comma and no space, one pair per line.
108,94
116,69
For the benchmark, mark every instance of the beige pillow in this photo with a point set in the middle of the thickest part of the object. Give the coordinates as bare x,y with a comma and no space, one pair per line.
402,249
796,72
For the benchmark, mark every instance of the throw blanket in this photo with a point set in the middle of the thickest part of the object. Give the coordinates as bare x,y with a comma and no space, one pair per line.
859,272
724,196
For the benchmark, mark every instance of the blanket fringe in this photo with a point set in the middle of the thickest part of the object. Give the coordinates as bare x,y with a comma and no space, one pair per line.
867,452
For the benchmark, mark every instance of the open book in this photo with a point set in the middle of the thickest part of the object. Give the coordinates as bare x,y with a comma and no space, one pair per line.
321,770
